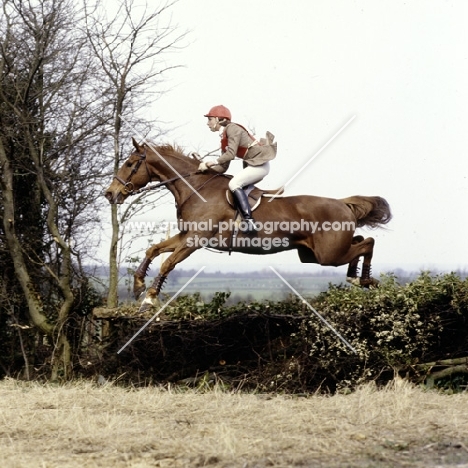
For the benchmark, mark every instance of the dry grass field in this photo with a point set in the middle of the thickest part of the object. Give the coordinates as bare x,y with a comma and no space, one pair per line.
89,425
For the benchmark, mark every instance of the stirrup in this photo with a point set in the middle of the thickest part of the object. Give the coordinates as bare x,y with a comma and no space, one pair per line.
251,225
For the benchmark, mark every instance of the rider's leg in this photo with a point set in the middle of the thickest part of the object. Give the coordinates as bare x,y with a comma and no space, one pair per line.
248,176
242,203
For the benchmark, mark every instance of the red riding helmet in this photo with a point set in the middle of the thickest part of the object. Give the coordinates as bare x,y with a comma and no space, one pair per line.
219,111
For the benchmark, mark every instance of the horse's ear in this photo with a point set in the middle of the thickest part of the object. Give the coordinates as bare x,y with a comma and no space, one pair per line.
136,145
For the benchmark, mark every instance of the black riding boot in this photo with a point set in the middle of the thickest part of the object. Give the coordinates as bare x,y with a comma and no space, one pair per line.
242,203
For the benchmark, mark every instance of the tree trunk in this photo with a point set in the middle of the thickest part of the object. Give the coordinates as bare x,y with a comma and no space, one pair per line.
113,295
61,363
33,299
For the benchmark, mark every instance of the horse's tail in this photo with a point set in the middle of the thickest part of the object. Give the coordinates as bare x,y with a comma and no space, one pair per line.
369,211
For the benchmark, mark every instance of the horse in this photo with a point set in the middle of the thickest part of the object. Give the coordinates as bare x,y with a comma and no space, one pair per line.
321,229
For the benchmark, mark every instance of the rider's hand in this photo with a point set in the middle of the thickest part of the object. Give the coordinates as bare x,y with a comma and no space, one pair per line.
202,167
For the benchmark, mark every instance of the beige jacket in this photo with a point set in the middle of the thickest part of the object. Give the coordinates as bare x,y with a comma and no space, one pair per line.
238,140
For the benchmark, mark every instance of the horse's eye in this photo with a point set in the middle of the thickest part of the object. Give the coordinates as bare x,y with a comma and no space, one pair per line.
129,164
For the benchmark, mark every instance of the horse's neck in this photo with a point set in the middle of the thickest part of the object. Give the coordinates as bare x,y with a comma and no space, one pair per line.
177,169
167,166
188,185
197,186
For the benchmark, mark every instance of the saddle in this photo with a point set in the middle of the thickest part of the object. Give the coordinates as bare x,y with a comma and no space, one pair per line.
255,196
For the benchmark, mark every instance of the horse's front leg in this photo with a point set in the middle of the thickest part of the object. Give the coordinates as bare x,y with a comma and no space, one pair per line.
179,254
169,245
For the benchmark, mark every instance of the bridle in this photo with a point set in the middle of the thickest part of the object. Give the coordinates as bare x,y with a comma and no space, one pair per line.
129,188
128,184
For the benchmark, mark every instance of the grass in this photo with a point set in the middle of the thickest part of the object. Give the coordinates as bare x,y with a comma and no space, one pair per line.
85,424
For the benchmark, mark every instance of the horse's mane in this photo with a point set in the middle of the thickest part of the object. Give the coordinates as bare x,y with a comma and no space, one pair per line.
174,151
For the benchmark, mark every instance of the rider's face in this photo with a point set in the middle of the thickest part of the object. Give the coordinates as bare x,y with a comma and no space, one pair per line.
213,124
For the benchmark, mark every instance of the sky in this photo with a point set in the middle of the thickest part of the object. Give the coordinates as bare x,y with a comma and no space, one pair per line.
395,71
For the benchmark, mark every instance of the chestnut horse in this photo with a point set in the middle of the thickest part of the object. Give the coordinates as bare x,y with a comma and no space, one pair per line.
320,229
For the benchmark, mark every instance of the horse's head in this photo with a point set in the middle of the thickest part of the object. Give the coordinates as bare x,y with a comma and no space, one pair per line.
133,175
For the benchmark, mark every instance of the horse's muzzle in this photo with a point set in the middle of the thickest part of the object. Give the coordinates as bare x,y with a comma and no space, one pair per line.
114,198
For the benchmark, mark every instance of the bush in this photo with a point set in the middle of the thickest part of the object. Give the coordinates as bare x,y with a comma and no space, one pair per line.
392,328
284,346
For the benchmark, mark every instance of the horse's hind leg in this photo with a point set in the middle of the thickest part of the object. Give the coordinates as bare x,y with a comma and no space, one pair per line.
366,276
169,245
367,250
352,273
359,248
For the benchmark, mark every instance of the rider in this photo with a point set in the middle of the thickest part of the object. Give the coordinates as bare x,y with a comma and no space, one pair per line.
237,141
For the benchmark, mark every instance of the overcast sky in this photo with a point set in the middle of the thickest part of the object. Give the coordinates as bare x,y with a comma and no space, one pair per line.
303,69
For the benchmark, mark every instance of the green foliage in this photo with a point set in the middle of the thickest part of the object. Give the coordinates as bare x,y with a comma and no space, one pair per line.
284,347
389,322
392,327
452,384
86,298
193,307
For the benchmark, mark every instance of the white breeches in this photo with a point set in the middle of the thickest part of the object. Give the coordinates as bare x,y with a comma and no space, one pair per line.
248,176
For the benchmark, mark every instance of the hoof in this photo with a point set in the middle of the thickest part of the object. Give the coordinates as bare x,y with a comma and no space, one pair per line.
144,307
370,283
354,280
149,302
138,291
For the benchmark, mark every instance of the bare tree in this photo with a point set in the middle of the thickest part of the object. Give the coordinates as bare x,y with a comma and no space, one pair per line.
67,78
50,135
131,43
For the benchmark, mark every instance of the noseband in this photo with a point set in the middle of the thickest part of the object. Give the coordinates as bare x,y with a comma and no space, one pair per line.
128,185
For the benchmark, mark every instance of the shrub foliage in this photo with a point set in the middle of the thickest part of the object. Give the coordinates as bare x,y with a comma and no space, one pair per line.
284,346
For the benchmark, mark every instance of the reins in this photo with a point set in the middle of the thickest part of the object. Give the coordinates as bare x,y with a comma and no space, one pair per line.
129,187
128,184
199,188
160,184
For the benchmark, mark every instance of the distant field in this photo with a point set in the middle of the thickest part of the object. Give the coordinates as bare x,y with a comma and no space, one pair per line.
241,288
251,286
